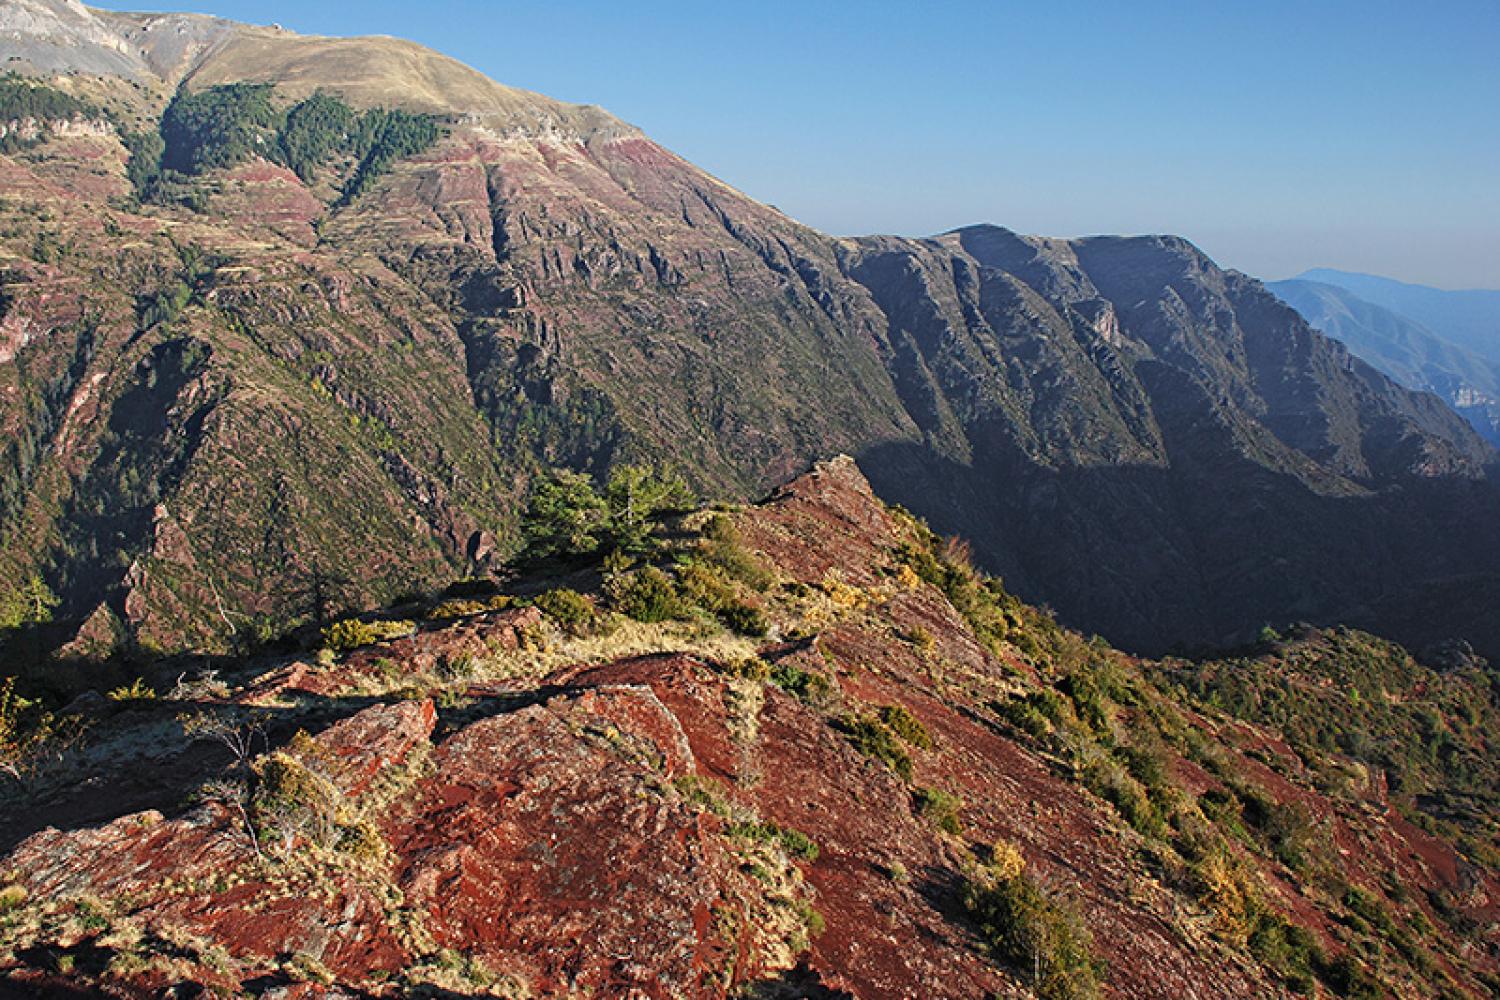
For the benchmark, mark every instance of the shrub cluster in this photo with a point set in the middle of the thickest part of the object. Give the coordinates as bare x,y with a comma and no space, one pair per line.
297,796
874,738
723,549
941,807
570,609
462,607
647,595
1243,917
1038,934
905,725
805,685
698,579
795,843
351,633
708,586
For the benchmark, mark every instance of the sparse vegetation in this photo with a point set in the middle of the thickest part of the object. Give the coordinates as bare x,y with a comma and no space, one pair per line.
918,635
1036,932
874,738
28,733
380,139
993,614
941,807
1348,693
239,736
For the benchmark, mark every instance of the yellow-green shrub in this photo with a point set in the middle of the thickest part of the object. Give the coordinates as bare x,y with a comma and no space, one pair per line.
12,897
941,808
570,609
647,595
906,726
457,607
351,633
1041,936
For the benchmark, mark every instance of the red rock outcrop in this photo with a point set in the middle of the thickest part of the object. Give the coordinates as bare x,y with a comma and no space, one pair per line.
641,825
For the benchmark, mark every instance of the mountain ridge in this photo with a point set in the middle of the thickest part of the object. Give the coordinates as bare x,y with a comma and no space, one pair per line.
1402,348
1467,317
492,303
196,51
887,778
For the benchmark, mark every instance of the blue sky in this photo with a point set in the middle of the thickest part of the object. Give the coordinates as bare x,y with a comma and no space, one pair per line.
1278,136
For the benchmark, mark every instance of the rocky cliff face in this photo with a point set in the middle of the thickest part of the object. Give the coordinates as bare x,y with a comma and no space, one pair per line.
249,396
509,803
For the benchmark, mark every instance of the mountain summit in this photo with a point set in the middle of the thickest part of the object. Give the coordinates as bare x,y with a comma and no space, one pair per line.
289,325
167,51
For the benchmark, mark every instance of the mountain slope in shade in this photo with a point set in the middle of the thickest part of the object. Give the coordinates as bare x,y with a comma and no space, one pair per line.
1470,319
251,395
1403,349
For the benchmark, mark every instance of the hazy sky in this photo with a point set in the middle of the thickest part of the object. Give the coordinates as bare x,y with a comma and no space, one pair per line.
1357,134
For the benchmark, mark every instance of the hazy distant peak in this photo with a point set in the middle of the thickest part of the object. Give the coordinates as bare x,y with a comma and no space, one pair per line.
1470,318
1350,279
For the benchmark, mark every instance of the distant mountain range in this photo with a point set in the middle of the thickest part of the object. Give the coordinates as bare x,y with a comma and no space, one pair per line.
1441,355
1470,319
